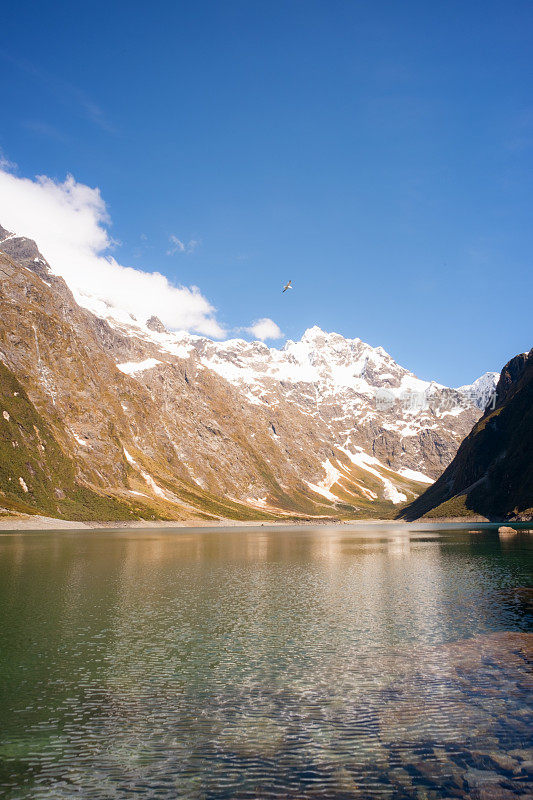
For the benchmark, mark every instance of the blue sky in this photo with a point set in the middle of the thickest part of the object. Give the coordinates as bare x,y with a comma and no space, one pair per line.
379,154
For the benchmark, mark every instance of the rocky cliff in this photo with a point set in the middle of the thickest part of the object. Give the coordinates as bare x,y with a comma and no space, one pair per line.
492,473
113,417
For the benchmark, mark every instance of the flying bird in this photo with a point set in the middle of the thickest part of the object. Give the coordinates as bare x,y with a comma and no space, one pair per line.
287,286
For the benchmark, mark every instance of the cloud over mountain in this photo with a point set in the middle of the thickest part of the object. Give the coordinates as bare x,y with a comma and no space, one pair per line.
70,222
264,329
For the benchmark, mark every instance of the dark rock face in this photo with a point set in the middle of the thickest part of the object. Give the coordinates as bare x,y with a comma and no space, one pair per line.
492,473
510,376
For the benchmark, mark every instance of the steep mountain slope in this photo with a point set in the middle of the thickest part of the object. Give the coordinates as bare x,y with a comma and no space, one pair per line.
173,425
354,395
492,473
36,472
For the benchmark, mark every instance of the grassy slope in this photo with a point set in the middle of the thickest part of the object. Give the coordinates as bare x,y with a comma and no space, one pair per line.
30,451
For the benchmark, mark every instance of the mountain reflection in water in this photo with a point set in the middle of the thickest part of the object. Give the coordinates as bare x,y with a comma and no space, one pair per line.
385,662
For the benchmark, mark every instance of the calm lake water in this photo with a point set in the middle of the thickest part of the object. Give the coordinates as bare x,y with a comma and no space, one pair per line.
377,662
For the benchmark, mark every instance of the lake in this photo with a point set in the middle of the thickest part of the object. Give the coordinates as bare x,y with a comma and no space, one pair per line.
377,661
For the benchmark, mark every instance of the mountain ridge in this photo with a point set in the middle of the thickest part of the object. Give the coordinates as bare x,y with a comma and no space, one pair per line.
326,426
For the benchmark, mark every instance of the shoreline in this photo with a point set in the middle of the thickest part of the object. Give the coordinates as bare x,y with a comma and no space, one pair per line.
21,523
37,522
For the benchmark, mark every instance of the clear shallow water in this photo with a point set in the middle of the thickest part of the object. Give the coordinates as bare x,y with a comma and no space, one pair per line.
365,663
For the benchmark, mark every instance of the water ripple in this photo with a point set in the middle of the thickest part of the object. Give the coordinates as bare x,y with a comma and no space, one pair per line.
269,664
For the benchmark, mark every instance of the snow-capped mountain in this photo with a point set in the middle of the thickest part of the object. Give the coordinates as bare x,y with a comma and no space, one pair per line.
357,392
182,425
483,391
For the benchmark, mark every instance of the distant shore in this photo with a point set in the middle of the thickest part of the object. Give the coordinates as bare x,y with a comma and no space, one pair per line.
40,523
22,523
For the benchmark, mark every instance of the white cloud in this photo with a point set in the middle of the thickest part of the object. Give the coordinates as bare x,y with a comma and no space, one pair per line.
264,329
177,246
69,223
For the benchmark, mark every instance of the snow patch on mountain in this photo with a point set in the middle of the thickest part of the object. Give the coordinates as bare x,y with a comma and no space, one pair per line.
133,367
369,463
157,490
414,475
332,477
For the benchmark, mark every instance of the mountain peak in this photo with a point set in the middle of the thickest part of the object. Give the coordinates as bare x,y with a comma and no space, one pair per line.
316,334
481,390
